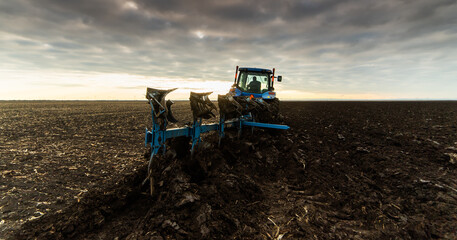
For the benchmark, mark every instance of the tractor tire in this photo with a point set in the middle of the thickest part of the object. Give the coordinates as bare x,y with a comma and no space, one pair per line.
270,114
274,107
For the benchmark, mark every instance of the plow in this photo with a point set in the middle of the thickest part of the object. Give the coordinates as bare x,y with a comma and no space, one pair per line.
250,103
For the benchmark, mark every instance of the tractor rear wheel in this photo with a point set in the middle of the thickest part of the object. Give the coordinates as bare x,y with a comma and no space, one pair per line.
274,107
268,114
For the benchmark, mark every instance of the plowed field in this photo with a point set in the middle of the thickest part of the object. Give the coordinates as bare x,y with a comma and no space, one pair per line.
360,170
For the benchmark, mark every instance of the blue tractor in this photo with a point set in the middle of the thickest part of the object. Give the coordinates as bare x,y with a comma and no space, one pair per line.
254,90
255,82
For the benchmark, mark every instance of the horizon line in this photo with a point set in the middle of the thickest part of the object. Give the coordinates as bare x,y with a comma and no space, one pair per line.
286,100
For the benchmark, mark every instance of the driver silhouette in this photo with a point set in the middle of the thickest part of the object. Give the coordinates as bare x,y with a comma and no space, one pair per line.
254,86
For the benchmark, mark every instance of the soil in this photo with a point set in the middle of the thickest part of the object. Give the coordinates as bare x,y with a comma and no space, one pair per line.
359,170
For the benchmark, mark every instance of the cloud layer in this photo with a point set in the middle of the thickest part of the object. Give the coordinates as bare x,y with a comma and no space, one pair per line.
390,49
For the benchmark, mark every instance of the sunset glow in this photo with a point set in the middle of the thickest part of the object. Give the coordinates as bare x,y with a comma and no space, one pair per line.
323,49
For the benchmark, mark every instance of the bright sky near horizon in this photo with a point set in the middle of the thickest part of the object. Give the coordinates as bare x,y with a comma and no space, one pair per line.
327,49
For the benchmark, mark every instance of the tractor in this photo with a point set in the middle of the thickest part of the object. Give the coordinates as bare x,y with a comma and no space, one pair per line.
255,82
250,103
258,85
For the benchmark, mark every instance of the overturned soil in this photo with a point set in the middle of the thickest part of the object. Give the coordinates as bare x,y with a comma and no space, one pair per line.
363,170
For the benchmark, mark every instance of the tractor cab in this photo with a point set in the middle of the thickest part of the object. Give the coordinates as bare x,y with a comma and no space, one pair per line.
254,82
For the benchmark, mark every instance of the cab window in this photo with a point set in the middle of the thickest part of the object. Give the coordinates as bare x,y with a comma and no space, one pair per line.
253,82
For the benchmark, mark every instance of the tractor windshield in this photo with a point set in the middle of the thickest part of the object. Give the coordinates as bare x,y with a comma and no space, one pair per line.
253,82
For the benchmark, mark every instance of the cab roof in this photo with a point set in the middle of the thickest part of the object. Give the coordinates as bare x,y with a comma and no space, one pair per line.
262,70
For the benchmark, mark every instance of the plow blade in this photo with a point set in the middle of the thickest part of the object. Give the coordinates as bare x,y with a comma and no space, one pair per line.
229,107
234,107
161,107
201,106
248,104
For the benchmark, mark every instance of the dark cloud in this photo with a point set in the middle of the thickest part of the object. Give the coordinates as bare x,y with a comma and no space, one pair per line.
307,9
428,9
306,40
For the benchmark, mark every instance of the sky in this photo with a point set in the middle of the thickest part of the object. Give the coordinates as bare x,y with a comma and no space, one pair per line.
328,49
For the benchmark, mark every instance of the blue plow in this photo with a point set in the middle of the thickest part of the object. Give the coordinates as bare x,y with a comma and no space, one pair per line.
202,108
